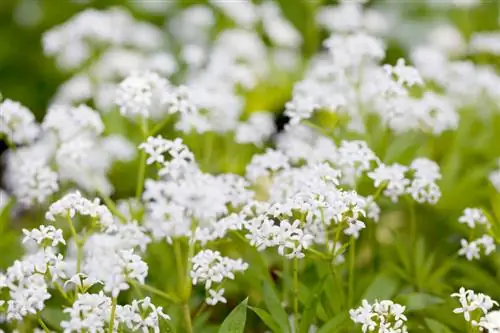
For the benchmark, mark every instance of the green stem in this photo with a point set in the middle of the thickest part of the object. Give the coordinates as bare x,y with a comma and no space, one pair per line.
141,175
160,126
296,293
187,317
112,207
157,292
142,161
352,257
41,322
112,315
79,245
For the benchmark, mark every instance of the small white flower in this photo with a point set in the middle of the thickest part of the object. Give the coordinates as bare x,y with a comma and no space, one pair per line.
215,297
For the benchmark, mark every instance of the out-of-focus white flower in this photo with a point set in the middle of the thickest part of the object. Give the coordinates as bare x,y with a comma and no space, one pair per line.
259,127
471,250
392,178
485,42
141,95
473,217
243,13
17,123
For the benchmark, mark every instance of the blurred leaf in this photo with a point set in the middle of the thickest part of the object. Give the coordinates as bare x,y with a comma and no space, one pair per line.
382,287
53,317
418,301
436,326
266,318
334,324
235,321
275,307
310,311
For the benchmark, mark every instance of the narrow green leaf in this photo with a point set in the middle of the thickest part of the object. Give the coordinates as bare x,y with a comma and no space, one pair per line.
418,301
275,307
334,324
436,327
382,287
312,303
266,318
235,321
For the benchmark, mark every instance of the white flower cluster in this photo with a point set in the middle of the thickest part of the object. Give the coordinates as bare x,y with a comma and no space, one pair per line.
209,267
17,123
184,197
70,149
471,249
92,312
73,203
28,279
350,16
349,80
476,309
395,182
73,42
381,316
290,238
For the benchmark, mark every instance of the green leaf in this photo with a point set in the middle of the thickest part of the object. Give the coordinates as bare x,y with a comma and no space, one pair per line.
266,318
436,327
235,321
312,303
53,317
275,307
382,287
418,301
334,324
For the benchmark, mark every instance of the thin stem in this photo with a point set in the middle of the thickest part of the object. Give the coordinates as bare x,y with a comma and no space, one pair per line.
63,293
140,175
157,292
112,207
112,315
179,267
79,245
296,293
160,126
187,317
352,257
41,322
142,162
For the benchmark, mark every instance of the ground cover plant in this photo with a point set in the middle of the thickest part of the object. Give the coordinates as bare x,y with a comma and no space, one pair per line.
258,167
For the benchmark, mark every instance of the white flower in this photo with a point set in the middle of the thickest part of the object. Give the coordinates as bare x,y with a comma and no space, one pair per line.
74,203
267,163
210,267
90,312
381,316
392,177
215,296
43,234
141,315
471,301
17,123
473,216
68,122
405,75
114,268
142,94
469,250
31,181
259,127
